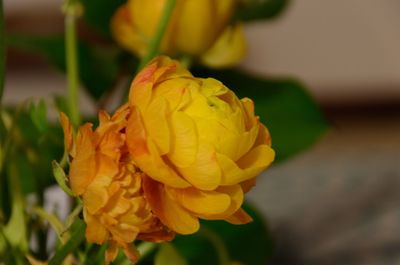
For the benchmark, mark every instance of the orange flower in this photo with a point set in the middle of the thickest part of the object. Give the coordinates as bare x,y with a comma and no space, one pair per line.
200,146
103,173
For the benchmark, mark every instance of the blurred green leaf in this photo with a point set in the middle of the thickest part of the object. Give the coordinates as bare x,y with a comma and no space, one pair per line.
77,237
38,114
98,66
250,10
248,244
292,116
168,255
15,230
98,13
54,221
61,178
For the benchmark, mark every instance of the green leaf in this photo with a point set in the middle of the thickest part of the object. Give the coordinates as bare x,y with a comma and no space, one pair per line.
98,66
292,116
54,221
77,237
15,230
61,178
98,13
251,10
38,114
168,255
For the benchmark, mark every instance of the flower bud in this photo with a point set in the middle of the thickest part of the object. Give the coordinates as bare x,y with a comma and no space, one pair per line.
194,28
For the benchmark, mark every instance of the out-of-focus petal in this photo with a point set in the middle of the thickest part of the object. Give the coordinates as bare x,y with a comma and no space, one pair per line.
228,50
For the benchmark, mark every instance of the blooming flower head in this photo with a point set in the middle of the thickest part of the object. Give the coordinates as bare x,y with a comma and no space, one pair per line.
200,146
197,27
103,173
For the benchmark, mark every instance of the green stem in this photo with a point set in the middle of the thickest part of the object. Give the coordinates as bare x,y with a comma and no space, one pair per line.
71,15
155,42
2,52
219,245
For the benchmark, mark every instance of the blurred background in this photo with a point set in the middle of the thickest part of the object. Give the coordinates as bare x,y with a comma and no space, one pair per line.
338,202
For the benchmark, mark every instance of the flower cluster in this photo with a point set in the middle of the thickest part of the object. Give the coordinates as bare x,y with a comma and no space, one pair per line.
182,149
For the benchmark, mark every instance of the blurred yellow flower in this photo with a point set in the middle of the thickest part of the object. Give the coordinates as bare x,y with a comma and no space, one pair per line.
195,27
200,146
103,174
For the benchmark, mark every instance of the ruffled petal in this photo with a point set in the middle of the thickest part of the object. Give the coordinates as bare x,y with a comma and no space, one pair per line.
201,202
95,231
185,145
205,172
170,213
249,166
83,168
146,155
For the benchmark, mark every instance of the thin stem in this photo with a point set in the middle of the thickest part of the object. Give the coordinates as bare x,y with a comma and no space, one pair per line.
2,52
155,42
219,245
154,45
71,14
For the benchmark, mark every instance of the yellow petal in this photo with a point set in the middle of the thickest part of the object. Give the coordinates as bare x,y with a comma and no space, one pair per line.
185,145
83,166
205,172
249,166
240,217
228,50
125,32
146,155
235,146
201,202
196,30
156,123
236,196
170,212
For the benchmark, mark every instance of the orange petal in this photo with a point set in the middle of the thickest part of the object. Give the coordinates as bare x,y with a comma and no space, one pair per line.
111,252
83,166
239,217
95,231
169,212
68,134
202,202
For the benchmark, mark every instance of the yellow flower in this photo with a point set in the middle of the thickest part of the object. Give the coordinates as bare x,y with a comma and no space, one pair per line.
111,186
195,27
200,146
